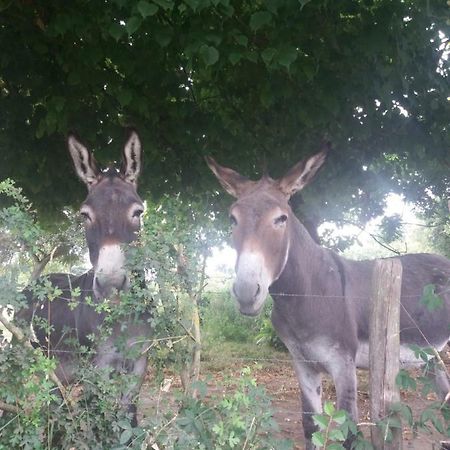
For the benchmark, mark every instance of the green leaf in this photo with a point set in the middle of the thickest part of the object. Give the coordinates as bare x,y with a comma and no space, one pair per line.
321,421
260,19
146,8
209,54
329,408
241,39
126,436
124,424
340,417
430,299
194,4
124,96
318,439
272,5
268,54
405,381
165,4
235,57
437,423
163,36
334,445
133,24
394,422
336,435
287,56
116,30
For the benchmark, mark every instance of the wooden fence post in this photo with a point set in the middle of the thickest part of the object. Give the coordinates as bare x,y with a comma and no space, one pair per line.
384,347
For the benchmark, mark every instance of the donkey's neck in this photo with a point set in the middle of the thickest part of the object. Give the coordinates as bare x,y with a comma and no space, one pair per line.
306,263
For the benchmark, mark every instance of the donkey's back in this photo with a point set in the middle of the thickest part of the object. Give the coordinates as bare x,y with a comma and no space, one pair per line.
424,303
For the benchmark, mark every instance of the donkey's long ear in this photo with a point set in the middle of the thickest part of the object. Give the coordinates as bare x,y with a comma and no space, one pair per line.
132,158
83,160
302,173
234,183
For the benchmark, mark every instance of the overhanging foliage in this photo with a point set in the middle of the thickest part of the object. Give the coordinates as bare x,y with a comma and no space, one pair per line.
252,83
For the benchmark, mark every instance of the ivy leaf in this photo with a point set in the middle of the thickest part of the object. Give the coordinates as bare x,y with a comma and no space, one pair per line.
260,19
430,299
209,54
146,8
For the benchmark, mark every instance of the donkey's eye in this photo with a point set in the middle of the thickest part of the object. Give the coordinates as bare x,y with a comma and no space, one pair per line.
280,220
86,216
138,213
233,220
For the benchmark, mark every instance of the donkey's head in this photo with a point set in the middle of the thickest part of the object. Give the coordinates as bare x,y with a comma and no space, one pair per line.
260,219
111,211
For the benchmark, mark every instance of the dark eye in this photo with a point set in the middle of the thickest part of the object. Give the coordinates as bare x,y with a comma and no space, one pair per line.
233,220
85,215
138,213
280,220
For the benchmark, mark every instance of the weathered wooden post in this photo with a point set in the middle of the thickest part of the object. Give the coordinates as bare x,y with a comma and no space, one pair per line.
384,347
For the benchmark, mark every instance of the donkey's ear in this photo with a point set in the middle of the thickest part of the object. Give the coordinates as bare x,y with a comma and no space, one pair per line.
233,182
302,173
83,160
132,158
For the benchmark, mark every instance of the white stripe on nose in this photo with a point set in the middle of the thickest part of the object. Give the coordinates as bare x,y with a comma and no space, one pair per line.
252,282
110,270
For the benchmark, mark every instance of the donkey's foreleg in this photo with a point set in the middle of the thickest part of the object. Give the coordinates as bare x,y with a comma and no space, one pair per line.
442,383
310,382
343,372
137,370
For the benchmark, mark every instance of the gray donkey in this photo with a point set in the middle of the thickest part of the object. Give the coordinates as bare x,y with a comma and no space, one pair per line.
111,214
321,302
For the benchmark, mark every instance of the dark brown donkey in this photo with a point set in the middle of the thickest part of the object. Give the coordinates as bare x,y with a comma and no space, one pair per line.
111,214
321,300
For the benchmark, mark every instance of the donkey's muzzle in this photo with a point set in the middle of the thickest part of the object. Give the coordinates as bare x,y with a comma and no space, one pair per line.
250,297
104,287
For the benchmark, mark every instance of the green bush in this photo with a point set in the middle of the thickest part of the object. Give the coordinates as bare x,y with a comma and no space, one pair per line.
223,321
88,415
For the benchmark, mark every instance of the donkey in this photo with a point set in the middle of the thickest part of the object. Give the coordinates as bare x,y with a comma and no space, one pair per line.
111,213
321,301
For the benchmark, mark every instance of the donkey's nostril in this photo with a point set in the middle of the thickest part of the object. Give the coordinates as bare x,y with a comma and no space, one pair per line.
258,290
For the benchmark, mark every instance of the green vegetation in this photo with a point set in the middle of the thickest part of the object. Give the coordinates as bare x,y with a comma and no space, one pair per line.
39,413
254,83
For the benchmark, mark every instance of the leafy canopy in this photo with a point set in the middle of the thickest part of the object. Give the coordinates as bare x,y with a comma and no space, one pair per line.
252,83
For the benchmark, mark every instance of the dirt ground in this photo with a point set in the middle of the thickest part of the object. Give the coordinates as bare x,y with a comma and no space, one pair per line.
280,382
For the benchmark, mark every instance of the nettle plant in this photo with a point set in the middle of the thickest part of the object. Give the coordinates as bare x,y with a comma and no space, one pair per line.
168,276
